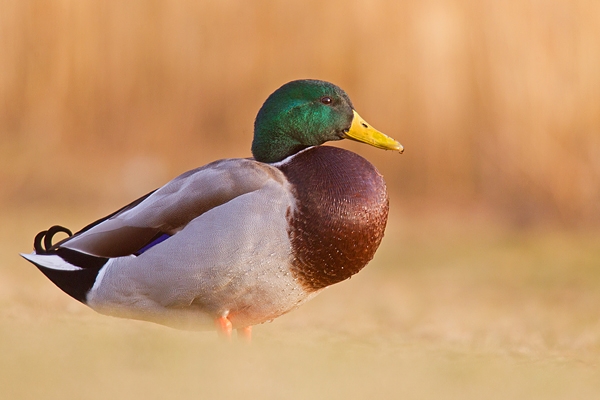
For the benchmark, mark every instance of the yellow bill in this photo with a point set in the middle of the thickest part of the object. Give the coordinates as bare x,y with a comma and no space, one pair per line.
364,133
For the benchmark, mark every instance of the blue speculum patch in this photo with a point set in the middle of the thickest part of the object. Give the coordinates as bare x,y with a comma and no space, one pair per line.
157,239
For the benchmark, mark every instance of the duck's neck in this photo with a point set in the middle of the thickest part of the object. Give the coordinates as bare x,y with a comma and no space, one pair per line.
275,148
340,216
275,135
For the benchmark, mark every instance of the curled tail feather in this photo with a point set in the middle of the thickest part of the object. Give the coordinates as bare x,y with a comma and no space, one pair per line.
72,271
46,237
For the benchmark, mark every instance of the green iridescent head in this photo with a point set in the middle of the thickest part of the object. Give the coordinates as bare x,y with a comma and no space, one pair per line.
308,113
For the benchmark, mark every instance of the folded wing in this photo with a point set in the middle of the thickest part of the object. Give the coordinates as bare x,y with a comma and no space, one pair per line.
170,208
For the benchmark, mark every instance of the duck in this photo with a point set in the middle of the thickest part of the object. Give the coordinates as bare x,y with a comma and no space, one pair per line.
237,242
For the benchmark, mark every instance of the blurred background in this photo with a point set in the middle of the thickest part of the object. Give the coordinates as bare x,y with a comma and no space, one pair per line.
497,104
487,283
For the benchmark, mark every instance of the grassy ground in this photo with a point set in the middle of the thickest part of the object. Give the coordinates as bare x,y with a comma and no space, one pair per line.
463,313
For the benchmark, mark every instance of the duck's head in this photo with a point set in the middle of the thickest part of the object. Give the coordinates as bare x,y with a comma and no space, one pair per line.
308,113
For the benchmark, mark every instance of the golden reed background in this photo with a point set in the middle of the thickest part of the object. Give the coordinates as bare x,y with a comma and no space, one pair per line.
497,103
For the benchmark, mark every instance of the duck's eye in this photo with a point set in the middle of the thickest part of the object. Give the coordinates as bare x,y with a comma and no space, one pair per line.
326,100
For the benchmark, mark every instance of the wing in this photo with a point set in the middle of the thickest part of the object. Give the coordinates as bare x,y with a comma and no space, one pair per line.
170,208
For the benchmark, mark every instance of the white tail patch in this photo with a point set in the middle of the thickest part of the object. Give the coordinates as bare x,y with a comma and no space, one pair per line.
100,276
51,261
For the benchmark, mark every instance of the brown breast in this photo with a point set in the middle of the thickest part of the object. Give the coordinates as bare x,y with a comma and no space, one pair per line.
342,210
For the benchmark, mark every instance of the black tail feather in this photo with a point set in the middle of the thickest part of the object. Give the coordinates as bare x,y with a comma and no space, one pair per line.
80,275
47,237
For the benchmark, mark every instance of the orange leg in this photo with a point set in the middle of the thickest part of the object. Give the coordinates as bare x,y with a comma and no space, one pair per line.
224,327
245,333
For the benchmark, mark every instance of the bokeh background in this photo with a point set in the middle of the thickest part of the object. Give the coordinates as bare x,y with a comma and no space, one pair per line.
489,272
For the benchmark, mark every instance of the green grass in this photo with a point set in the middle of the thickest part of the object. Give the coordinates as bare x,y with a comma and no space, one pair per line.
482,314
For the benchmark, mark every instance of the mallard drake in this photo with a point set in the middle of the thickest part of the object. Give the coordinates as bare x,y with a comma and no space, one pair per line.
237,242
